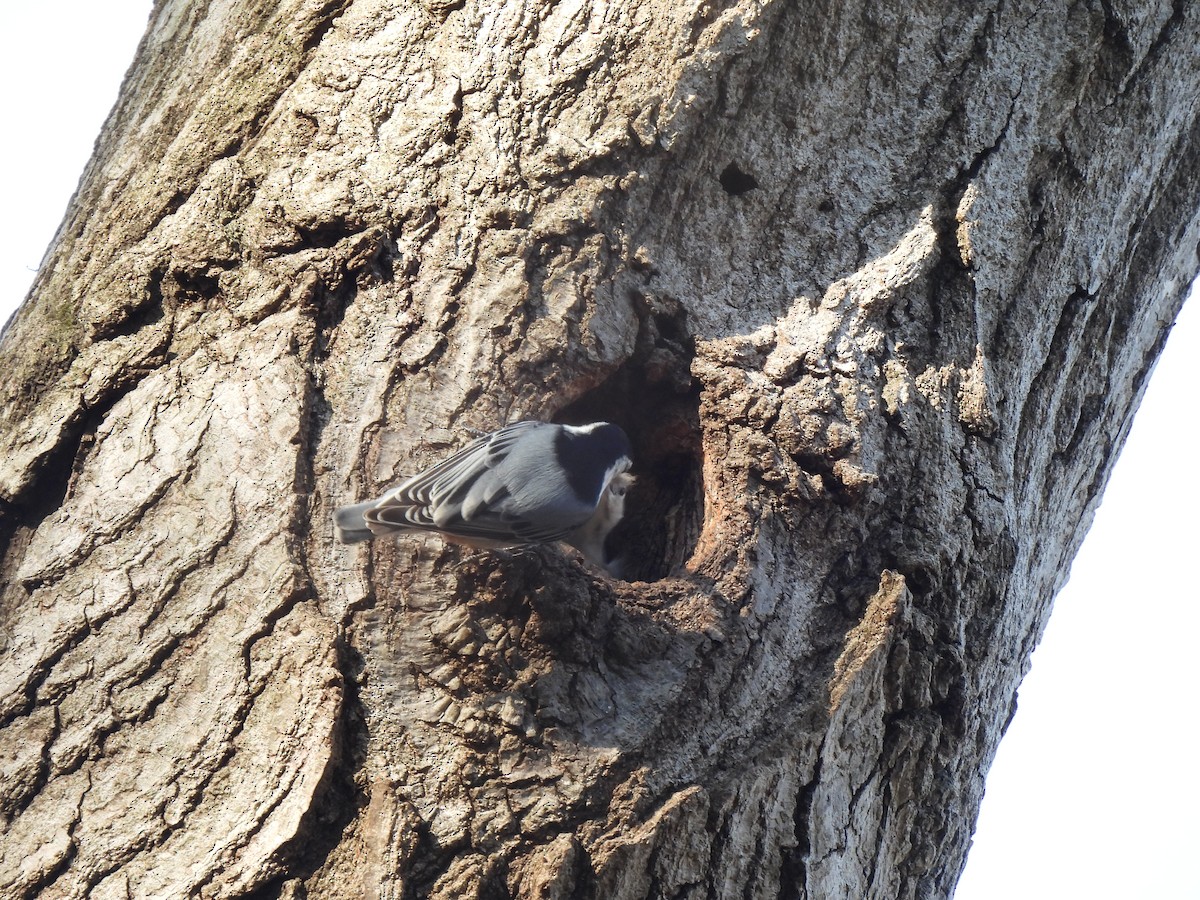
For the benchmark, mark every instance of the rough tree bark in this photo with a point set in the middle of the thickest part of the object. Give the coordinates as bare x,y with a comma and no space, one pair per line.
874,287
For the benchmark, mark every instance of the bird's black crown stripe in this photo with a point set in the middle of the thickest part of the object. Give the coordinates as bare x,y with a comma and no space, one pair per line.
586,456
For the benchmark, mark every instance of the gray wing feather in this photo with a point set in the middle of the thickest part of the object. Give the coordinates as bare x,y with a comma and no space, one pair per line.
465,495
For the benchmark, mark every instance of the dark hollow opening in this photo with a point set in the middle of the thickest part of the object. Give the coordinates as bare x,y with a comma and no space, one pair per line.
735,181
653,398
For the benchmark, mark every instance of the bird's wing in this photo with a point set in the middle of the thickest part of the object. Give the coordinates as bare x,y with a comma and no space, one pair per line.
433,500
448,483
487,523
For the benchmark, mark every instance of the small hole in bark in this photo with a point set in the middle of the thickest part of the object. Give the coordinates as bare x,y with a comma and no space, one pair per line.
197,286
920,580
452,120
735,181
653,398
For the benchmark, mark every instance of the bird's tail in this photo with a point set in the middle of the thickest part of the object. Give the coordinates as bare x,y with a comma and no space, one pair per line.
349,524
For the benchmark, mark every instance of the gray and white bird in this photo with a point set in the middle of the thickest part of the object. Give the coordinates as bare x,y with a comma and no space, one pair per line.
527,483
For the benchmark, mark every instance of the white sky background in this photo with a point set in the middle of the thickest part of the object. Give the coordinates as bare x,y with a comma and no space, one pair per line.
1095,792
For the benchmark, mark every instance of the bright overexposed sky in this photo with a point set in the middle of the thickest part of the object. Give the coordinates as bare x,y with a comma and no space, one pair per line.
1095,792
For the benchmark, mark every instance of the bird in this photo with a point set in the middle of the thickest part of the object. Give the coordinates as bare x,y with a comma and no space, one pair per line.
526,483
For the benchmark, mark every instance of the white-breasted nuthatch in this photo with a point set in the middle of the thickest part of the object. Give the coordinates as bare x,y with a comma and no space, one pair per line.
527,483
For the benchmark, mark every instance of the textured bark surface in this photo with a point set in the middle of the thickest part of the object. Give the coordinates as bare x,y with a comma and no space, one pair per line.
875,289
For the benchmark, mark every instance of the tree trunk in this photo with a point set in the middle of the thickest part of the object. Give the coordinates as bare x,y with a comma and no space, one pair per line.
874,288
